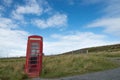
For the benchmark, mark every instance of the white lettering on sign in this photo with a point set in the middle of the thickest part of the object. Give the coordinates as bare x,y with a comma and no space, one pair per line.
35,38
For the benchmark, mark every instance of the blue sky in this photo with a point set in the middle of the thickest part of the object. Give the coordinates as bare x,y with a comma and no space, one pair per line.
65,25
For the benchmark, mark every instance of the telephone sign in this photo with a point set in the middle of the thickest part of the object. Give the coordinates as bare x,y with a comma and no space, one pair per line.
33,66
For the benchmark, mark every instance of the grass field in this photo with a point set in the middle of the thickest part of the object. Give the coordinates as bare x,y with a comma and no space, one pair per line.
12,69
61,65
68,65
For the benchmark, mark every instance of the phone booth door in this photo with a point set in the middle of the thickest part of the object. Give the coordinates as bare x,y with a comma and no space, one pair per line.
34,57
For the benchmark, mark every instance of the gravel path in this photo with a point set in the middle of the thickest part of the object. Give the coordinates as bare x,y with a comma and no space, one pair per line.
103,75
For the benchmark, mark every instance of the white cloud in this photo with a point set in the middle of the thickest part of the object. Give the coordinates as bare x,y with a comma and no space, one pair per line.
110,25
7,23
46,7
56,20
17,16
112,8
13,42
31,7
65,43
110,21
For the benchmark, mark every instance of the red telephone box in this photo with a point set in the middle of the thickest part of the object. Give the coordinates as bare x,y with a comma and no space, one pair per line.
33,66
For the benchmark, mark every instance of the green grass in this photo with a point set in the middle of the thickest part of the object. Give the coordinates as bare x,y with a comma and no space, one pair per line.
67,65
61,65
12,69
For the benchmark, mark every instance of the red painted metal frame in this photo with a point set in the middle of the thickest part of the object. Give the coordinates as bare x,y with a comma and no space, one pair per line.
37,67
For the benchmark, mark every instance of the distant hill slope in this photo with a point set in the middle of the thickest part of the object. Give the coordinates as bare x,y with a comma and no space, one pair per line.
107,48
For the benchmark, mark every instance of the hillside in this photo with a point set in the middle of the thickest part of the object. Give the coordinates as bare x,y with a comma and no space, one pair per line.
106,48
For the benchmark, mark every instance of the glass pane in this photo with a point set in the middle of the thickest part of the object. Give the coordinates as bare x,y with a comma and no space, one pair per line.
34,54
35,49
33,62
35,45
33,58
